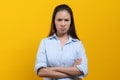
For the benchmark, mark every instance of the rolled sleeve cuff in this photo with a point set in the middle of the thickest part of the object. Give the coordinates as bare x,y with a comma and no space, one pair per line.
38,66
82,69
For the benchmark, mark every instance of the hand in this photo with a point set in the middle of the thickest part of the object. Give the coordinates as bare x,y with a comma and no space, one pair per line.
77,62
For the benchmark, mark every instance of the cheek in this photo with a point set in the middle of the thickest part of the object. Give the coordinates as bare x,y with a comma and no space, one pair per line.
57,26
57,23
68,28
68,25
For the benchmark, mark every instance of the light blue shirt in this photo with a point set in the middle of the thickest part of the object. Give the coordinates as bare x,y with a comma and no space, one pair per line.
50,53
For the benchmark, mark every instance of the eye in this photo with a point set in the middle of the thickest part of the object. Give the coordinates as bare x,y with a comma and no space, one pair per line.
59,19
67,20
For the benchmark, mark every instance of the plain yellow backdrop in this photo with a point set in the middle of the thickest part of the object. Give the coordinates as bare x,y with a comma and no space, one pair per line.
23,23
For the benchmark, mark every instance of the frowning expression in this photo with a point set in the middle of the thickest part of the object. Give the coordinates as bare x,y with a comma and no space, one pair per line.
62,22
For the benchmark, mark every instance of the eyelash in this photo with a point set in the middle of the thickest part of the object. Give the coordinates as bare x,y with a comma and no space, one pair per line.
61,20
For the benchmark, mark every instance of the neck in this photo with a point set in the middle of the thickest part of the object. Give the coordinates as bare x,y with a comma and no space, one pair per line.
61,36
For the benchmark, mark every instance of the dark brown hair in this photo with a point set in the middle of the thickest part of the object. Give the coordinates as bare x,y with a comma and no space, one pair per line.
71,30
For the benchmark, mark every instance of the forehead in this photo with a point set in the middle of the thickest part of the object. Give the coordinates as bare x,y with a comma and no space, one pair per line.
62,14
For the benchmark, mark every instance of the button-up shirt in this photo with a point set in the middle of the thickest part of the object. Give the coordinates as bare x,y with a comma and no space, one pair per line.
50,53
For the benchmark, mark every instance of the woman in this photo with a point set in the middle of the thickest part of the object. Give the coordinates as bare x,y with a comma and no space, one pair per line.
61,55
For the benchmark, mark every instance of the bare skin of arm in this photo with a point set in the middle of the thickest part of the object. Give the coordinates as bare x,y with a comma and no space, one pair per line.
72,71
49,73
60,72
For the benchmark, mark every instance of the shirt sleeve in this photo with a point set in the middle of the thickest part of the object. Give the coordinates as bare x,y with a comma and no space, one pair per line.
83,67
41,57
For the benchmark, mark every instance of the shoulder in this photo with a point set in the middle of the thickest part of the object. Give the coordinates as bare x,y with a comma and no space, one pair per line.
77,40
78,43
45,39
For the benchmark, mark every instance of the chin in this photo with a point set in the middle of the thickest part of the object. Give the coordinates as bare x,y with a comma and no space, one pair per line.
64,33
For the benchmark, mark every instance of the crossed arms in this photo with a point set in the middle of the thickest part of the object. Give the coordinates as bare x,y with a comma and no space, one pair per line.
61,72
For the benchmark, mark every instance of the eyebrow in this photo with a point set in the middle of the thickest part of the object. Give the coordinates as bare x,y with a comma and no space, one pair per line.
62,19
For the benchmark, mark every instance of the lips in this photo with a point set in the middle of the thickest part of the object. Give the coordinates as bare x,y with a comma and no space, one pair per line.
63,29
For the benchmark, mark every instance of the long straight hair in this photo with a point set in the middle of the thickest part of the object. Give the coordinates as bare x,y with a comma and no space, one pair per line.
71,31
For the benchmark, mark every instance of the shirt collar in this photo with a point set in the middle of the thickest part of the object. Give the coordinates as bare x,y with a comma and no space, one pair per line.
54,36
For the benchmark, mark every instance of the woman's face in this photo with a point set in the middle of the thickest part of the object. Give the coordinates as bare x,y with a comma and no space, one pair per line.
62,22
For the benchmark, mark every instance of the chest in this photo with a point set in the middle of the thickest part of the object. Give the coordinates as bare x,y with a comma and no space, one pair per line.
61,56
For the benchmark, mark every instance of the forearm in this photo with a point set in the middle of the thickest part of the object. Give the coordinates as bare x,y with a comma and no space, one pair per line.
46,72
72,71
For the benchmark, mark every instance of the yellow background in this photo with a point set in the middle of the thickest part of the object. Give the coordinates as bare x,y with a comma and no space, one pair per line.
23,23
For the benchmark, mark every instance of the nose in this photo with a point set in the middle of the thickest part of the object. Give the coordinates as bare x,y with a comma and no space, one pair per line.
63,23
